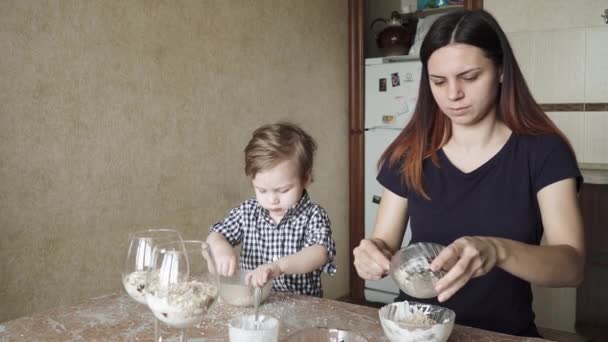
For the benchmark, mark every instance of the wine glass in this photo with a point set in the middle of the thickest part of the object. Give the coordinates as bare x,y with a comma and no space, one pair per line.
138,262
183,285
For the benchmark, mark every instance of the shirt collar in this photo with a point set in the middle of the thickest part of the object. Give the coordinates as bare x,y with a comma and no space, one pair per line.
296,209
300,206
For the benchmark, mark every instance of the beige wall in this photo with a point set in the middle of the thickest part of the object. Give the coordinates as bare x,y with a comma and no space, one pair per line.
122,115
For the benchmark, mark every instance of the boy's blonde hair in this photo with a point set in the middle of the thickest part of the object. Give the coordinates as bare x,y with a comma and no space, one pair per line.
275,143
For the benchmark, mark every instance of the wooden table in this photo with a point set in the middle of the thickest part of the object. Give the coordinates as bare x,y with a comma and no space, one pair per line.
117,317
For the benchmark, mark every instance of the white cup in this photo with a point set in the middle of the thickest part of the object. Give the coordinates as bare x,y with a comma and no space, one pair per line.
243,329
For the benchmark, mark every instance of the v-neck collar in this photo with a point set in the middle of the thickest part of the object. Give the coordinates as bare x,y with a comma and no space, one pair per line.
481,168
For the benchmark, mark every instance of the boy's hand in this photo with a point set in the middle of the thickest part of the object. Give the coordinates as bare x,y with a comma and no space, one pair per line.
225,259
263,274
223,253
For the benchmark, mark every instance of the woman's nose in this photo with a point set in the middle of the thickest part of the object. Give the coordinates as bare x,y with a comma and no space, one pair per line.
274,199
454,91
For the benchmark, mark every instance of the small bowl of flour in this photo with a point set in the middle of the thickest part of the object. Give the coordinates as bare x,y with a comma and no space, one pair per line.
411,269
235,291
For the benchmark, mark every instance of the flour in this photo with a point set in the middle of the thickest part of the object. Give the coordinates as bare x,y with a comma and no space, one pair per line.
181,305
242,295
416,278
418,318
135,284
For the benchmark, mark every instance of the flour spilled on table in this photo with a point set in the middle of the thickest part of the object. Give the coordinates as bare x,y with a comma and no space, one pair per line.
293,314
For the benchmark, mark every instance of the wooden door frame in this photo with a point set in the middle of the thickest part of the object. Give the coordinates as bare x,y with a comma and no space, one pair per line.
356,128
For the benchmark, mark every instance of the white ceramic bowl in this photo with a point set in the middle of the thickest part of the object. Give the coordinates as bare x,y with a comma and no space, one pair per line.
416,322
410,269
236,292
244,329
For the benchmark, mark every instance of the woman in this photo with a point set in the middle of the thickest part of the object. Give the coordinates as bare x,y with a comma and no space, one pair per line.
482,170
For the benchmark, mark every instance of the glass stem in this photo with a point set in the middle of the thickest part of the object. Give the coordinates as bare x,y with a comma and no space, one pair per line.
156,334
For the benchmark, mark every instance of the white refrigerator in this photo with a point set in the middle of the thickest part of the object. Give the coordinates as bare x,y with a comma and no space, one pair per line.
391,91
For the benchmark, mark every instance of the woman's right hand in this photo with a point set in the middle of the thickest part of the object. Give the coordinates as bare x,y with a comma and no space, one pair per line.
372,259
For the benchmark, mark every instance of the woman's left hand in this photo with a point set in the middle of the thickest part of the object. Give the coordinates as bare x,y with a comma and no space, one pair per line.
263,274
466,258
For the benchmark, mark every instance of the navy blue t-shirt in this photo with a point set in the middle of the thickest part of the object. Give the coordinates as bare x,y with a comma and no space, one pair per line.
497,199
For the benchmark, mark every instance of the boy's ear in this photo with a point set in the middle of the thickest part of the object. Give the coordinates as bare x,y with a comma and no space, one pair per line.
307,179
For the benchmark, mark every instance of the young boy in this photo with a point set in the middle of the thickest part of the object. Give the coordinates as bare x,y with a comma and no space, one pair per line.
286,237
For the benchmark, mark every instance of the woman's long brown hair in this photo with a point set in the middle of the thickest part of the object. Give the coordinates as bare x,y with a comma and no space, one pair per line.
429,129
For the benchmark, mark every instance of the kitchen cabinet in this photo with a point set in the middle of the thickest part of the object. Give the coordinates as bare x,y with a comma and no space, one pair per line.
591,299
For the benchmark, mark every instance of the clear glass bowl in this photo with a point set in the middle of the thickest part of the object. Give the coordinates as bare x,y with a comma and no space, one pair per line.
411,269
416,322
235,291
317,334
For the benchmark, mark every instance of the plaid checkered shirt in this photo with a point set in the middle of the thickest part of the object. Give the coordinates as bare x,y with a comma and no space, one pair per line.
305,224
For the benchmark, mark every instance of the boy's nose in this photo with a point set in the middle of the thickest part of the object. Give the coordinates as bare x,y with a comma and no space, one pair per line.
274,199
